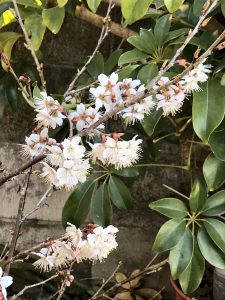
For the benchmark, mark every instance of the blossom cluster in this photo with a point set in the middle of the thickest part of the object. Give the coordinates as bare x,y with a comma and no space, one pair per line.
67,163
94,244
5,282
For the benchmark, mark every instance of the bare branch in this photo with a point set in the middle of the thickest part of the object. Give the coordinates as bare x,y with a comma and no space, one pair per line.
29,45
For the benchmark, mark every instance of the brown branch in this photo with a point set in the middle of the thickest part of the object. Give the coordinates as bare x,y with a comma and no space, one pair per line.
84,14
30,45
21,169
17,225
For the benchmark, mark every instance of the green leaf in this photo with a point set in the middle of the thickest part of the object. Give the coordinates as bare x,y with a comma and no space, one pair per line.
170,207
214,172
173,5
127,71
222,81
127,172
198,194
6,18
215,205
216,230
53,18
173,35
132,56
144,42
223,7
149,122
217,141
208,108
3,98
134,10
7,41
36,92
77,206
101,210
181,255
147,73
29,3
198,6
209,249
96,66
35,27
112,61
93,4
193,274
13,95
169,235
62,3
119,193
162,28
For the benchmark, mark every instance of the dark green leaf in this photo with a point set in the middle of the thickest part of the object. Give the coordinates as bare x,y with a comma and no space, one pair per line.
209,250
172,35
77,206
147,73
208,108
101,206
223,7
134,10
149,123
192,275
181,255
170,207
127,172
119,193
127,71
53,18
112,61
169,235
198,194
13,95
162,28
144,42
216,230
132,56
215,205
96,66
198,6
214,172
173,5
217,141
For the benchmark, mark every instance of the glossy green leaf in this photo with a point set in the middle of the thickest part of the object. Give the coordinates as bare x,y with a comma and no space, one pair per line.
208,108
173,35
126,72
147,73
198,6
169,235
13,95
93,4
36,28
198,194
132,56
134,10
162,28
192,276
77,206
53,18
209,249
181,255
112,61
28,3
37,92
216,230
214,172
215,205
3,97
96,66
170,207
173,5
7,41
101,210
119,193
217,141
149,122
144,42
127,172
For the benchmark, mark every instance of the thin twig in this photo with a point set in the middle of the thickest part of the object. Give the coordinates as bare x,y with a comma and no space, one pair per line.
175,191
34,285
103,35
107,281
64,286
30,45
17,226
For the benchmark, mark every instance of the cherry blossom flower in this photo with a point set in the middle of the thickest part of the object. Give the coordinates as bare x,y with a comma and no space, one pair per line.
75,234
72,149
5,282
46,262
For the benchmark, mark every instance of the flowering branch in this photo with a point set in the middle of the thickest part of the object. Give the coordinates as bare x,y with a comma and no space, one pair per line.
104,32
29,45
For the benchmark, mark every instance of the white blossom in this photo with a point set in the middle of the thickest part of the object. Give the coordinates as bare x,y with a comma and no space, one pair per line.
45,262
75,234
5,282
72,149
50,175
48,118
